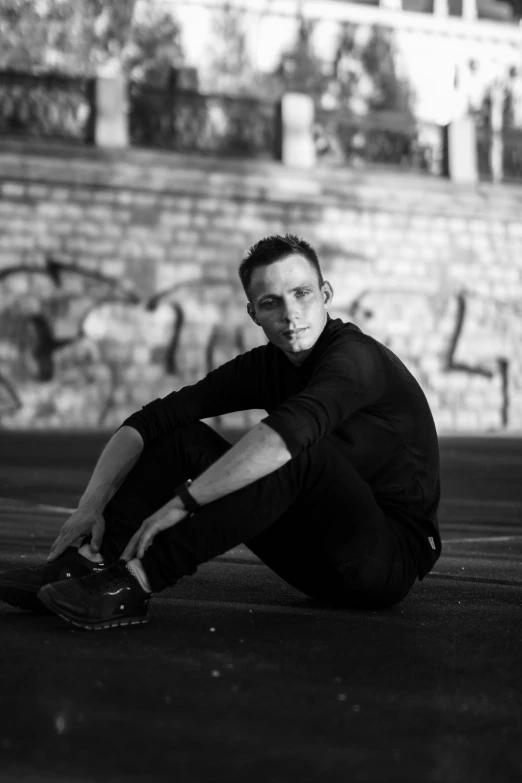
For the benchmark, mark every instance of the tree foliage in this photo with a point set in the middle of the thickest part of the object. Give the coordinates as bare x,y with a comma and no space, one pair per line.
378,58
362,74
29,31
300,69
155,48
79,36
230,69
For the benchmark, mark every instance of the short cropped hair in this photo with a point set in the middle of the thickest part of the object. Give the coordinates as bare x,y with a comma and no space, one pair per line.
271,249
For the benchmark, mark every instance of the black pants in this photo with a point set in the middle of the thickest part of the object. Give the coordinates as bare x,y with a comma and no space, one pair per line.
314,522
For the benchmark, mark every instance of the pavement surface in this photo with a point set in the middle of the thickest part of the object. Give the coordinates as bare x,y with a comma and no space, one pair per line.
238,677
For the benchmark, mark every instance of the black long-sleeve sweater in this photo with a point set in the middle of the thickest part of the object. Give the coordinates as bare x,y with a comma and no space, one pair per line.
352,390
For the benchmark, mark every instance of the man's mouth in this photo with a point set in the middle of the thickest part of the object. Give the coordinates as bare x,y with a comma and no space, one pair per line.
295,332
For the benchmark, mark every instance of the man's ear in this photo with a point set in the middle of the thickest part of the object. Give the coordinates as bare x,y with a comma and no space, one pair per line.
327,294
252,313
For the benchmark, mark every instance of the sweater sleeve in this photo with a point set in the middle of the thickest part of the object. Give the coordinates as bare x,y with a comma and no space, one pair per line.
350,375
235,386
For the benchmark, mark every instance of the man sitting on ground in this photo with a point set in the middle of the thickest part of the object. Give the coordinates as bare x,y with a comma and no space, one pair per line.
336,489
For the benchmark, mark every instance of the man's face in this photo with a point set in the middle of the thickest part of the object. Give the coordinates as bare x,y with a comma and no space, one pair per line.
288,303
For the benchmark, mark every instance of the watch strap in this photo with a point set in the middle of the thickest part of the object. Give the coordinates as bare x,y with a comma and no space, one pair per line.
190,503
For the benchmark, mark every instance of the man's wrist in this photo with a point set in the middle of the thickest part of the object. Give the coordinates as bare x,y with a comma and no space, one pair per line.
95,503
177,506
188,501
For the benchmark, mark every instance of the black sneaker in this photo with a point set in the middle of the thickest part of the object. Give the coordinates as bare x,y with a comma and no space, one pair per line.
19,587
107,599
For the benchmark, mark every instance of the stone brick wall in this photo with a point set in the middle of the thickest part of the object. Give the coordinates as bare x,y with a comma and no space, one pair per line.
118,278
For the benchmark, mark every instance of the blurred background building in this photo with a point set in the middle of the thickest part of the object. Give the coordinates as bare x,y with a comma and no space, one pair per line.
448,52
145,145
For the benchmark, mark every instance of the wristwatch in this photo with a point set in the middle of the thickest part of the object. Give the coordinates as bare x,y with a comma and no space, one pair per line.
190,503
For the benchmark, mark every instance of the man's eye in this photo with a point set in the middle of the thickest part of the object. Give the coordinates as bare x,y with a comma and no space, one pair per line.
268,303
300,294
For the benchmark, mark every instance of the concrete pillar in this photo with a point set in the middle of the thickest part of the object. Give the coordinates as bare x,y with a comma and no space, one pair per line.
440,8
297,119
462,151
469,9
111,129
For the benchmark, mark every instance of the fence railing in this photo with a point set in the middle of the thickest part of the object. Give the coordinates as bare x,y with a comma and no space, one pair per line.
46,106
483,142
385,137
511,154
54,106
187,121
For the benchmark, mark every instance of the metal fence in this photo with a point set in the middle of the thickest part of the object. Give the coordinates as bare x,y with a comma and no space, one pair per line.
483,142
187,121
46,106
54,106
385,137
511,154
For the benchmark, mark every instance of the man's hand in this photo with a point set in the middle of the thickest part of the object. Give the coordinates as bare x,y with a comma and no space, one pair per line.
259,452
86,519
167,516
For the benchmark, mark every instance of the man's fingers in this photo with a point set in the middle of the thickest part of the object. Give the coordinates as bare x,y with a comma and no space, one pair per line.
97,536
142,538
146,540
139,541
130,549
150,529
65,538
57,541
148,535
58,547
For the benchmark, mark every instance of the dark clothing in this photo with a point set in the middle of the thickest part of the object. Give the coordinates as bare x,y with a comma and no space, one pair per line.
314,522
353,398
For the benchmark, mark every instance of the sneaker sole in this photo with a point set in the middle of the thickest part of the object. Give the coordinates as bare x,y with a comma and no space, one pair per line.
26,600
92,626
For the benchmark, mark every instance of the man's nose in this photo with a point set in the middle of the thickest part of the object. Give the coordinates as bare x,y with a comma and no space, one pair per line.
290,310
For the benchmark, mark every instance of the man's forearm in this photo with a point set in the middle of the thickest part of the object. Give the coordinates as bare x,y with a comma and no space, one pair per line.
116,460
260,452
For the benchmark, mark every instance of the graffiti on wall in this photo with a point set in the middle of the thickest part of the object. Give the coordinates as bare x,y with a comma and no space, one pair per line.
449,338
79,347
68,329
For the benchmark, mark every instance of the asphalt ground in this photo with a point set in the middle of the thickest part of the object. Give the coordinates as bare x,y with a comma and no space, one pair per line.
238,677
